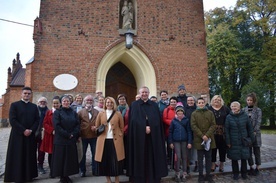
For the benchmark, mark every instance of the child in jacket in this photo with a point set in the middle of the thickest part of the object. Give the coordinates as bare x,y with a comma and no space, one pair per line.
180,138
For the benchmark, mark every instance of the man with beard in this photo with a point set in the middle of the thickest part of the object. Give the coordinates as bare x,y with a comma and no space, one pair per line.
88,134
182,96
147,155
21,154
42,109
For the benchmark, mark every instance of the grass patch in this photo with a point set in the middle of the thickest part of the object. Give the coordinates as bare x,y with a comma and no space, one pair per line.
266,131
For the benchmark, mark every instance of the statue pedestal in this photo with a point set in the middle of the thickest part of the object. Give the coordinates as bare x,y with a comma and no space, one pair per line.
124,31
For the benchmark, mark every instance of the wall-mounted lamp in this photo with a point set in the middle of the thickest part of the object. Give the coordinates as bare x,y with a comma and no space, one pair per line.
129,39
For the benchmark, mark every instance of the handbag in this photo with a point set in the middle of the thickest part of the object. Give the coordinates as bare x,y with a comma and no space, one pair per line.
247,142
101,128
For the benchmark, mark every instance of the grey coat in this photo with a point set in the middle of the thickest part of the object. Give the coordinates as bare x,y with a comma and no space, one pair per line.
256,120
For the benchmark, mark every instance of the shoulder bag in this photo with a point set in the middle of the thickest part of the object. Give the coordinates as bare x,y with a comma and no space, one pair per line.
101,128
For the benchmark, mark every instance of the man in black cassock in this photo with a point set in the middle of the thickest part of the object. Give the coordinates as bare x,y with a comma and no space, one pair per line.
21,154
147,156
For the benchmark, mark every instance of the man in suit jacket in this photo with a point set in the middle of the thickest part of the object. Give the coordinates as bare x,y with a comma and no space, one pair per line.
88,134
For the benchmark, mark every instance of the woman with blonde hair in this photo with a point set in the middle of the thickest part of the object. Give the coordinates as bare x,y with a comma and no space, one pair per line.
220,112
110,151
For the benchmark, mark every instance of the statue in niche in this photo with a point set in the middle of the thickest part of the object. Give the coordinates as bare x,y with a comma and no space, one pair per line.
127,13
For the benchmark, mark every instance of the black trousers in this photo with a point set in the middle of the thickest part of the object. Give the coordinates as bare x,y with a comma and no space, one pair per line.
257,154
208,162
221,147
235,167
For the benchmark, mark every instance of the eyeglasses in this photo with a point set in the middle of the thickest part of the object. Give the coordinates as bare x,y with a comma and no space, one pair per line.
42,101
89,100
27,93
122,99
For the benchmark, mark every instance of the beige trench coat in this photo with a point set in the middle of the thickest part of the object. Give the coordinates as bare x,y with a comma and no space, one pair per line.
117,125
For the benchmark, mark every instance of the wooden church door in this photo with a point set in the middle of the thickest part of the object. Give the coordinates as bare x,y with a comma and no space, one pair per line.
119,80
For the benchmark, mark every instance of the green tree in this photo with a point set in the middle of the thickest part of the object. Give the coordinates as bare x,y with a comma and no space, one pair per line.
261,18
227,58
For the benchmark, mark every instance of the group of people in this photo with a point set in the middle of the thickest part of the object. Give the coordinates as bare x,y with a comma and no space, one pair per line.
141,139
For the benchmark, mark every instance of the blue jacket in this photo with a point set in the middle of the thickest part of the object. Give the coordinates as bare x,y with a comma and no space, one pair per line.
180,131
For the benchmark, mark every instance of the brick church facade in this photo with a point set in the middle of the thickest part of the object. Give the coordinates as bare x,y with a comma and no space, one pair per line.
86,40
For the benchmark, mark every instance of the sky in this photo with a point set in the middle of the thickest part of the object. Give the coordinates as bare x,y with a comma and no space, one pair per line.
16,38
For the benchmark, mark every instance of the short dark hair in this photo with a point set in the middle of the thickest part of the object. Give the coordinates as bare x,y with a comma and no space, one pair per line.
153,97
173,98
163,91
200,98
26,88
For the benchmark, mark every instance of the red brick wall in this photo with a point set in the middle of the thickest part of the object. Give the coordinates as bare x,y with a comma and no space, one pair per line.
60,49
11,96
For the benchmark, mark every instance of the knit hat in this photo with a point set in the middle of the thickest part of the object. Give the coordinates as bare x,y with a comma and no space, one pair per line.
181,87
179,107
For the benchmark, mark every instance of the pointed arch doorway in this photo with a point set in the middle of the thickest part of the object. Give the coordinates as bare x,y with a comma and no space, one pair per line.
119,79
136,62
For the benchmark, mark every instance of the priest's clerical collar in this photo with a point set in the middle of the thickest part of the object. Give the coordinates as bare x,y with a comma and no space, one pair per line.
26,101
145,101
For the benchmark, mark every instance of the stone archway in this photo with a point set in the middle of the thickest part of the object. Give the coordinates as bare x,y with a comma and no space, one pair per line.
135,60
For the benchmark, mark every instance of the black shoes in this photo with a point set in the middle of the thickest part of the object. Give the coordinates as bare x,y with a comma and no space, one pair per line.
196,168
65,180
201,179
236,177
244,176
252,172
82,174
257,172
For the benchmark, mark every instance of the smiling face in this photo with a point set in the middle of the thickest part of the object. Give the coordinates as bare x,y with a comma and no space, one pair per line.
56,103
79,100
109,104
200,103
235,107
122,100
89,101
164,96
144,93
173,103
190,101
217,102
65,102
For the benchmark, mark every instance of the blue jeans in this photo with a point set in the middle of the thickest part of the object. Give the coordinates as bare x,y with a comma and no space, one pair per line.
92,143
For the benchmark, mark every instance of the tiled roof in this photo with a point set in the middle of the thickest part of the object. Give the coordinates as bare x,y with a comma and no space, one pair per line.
19,78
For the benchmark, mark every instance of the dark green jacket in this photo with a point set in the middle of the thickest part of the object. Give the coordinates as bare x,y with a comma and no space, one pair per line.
234,133
203,123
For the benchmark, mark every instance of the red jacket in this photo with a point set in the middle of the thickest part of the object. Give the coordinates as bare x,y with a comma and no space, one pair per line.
168,115
47,141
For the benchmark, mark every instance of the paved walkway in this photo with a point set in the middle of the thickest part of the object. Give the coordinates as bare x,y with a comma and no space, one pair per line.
267,174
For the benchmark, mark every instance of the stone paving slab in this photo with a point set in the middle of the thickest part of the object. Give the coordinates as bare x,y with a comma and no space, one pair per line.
267,173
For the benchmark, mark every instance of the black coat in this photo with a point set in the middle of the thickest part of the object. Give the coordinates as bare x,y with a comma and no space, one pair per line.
66,123
21,162
237,126
65,154
139,156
